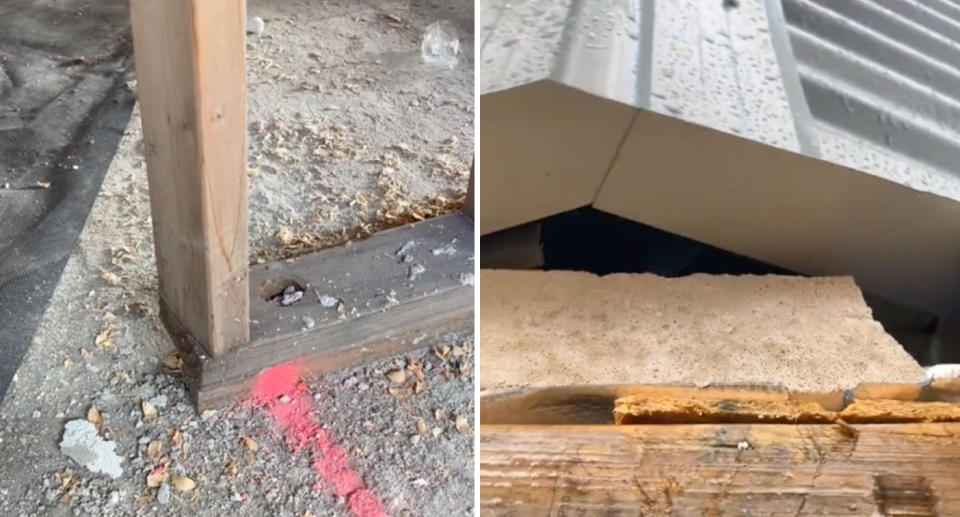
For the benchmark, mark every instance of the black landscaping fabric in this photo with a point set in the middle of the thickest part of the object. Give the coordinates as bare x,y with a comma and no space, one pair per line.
64,104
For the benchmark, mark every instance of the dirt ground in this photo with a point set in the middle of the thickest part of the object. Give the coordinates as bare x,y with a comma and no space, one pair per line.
349,132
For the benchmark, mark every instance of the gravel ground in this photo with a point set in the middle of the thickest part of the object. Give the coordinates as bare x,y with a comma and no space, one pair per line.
349,133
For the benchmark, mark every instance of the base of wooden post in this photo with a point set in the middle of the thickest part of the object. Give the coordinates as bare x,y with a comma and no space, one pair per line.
402,289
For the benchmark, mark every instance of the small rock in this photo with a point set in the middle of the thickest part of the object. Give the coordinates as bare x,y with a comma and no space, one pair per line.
255,25
405,248
163,494
308,322
328,301
466,279
743,445
415,271
285,399
113,498
449,249
82,444
290,298
208,414
159,401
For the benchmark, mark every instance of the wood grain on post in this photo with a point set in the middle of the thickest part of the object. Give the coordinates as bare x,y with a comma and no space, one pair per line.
720,469
190,75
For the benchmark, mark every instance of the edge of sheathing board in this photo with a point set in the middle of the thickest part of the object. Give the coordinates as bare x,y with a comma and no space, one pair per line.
593,405
544,138
788,209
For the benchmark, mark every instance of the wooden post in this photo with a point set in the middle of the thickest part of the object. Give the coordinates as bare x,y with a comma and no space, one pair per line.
190,74
468,204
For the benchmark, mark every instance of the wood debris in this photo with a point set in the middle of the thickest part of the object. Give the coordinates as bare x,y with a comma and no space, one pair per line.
157,476
463,426
149,410
249,443
155,450
112,279
415,368
176,438
104,338
396,375
173,361
95,418
400,392
182,483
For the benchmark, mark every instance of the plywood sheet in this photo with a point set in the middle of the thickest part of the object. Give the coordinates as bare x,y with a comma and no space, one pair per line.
557,328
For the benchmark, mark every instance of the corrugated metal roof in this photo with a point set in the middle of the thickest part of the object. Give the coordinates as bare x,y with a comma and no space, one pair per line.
882,80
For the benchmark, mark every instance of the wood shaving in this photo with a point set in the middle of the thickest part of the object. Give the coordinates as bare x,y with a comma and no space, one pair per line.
149,410
112,279
249,443
400,392
155,450
397,376
173,361
182,483
463,426
95,418
157,476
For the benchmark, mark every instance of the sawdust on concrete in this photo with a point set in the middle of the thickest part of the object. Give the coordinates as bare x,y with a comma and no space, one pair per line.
541,328
349,132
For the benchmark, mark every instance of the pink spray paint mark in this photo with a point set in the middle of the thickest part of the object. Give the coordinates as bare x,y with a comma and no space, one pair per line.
303,433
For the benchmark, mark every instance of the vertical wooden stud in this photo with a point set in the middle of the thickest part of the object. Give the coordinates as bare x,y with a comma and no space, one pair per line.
191,79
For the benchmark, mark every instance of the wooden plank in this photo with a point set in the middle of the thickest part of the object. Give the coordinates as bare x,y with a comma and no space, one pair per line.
594,404
366,300
699,470
191,83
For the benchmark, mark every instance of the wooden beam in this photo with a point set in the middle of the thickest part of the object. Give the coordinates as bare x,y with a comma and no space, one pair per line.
402,289
191,83
561,405
720,469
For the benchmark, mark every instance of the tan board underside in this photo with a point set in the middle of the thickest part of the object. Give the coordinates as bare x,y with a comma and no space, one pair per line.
563,328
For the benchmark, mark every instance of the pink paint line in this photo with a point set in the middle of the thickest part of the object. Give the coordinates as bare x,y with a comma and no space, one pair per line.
304,434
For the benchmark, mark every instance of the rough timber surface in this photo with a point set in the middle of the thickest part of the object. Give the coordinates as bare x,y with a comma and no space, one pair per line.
382,308
190,57
720,469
